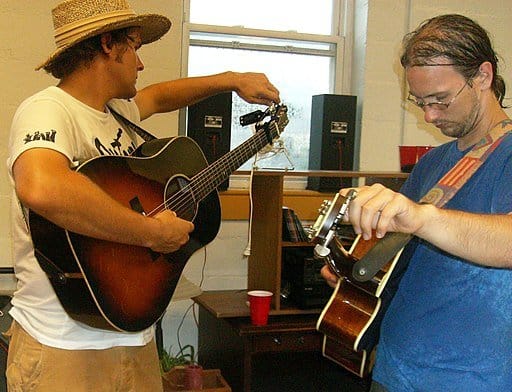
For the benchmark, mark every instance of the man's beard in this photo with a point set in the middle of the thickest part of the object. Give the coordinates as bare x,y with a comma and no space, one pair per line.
461,129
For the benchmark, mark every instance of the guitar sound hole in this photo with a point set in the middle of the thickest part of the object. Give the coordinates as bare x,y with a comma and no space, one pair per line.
179,197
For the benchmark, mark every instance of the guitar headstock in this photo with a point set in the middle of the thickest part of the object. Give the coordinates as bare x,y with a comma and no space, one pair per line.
273,120
279,116
330,216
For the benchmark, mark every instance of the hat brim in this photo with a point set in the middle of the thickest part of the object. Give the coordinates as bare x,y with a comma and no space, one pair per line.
153,27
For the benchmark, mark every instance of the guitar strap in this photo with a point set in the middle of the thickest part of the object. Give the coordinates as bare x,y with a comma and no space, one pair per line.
384,250
128,125
452,181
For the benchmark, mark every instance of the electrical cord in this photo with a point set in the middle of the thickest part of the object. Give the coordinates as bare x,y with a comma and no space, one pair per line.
247,251
194,313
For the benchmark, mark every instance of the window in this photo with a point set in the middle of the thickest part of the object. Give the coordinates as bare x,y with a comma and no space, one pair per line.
298,46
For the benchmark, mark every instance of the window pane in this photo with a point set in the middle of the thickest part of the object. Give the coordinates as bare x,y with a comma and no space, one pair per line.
298,78
312,17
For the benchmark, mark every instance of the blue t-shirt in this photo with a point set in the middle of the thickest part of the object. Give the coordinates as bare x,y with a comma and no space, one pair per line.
449,326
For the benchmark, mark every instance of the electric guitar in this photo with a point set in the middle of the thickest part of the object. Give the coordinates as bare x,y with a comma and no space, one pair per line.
350,320
122,287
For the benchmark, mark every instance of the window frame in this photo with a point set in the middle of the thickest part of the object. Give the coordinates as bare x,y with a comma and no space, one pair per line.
341,38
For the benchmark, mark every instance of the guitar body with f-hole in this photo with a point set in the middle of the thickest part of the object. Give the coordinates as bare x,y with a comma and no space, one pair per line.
350,320
128,288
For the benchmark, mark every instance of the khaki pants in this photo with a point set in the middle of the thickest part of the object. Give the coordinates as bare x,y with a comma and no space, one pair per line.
32,366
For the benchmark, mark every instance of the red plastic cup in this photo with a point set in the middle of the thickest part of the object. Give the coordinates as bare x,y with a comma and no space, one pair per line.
259,303
409,156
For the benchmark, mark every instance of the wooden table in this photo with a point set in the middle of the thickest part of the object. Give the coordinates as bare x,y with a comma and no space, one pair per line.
283,355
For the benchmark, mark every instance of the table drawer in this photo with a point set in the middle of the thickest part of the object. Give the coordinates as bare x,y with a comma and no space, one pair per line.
287,341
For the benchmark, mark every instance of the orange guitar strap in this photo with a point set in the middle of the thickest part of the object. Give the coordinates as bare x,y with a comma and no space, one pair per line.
452,181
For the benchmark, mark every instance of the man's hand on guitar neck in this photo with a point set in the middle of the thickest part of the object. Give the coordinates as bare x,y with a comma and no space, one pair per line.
460,233
255,88
383,210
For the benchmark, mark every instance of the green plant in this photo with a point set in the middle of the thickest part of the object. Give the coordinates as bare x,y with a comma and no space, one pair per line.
186,356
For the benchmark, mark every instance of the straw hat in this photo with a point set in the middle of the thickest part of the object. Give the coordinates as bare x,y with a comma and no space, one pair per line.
77,20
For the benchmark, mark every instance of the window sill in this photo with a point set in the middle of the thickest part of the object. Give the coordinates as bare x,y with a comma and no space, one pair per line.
235,203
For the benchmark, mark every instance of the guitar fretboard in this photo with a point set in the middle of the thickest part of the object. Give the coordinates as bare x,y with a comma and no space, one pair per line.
207,180
211,177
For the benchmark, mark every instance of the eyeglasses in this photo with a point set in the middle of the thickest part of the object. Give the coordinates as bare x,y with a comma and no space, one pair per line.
438,105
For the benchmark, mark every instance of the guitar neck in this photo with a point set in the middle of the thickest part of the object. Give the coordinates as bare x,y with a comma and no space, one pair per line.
215,174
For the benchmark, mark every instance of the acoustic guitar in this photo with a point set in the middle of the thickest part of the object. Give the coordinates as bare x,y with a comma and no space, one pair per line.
351,318
122,287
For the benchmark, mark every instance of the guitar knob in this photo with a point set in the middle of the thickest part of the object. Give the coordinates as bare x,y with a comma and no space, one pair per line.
277,341
301,340
325,206
321,251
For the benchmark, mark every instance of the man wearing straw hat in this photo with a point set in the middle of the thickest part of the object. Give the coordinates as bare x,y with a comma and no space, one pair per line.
97,64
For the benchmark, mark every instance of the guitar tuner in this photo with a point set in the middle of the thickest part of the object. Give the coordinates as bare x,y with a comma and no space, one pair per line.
258,115
251,118
324,229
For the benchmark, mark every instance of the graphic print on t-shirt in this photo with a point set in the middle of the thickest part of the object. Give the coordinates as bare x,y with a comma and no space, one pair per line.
116,147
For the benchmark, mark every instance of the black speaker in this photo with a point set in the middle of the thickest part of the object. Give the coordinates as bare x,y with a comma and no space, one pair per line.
332,139
209,124
300,275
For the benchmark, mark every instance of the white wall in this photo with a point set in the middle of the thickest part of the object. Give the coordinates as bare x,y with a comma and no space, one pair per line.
27,40
385,123
378,81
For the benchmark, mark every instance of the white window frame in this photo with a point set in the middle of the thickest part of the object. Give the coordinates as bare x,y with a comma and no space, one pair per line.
341,38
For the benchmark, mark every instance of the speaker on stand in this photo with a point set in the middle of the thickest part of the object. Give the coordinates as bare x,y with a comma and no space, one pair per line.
209,124
332,139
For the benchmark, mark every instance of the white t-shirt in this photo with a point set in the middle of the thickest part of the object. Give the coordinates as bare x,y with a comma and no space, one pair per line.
54,119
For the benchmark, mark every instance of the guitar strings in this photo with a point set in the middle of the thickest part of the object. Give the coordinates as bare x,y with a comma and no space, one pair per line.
234,160
182,198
